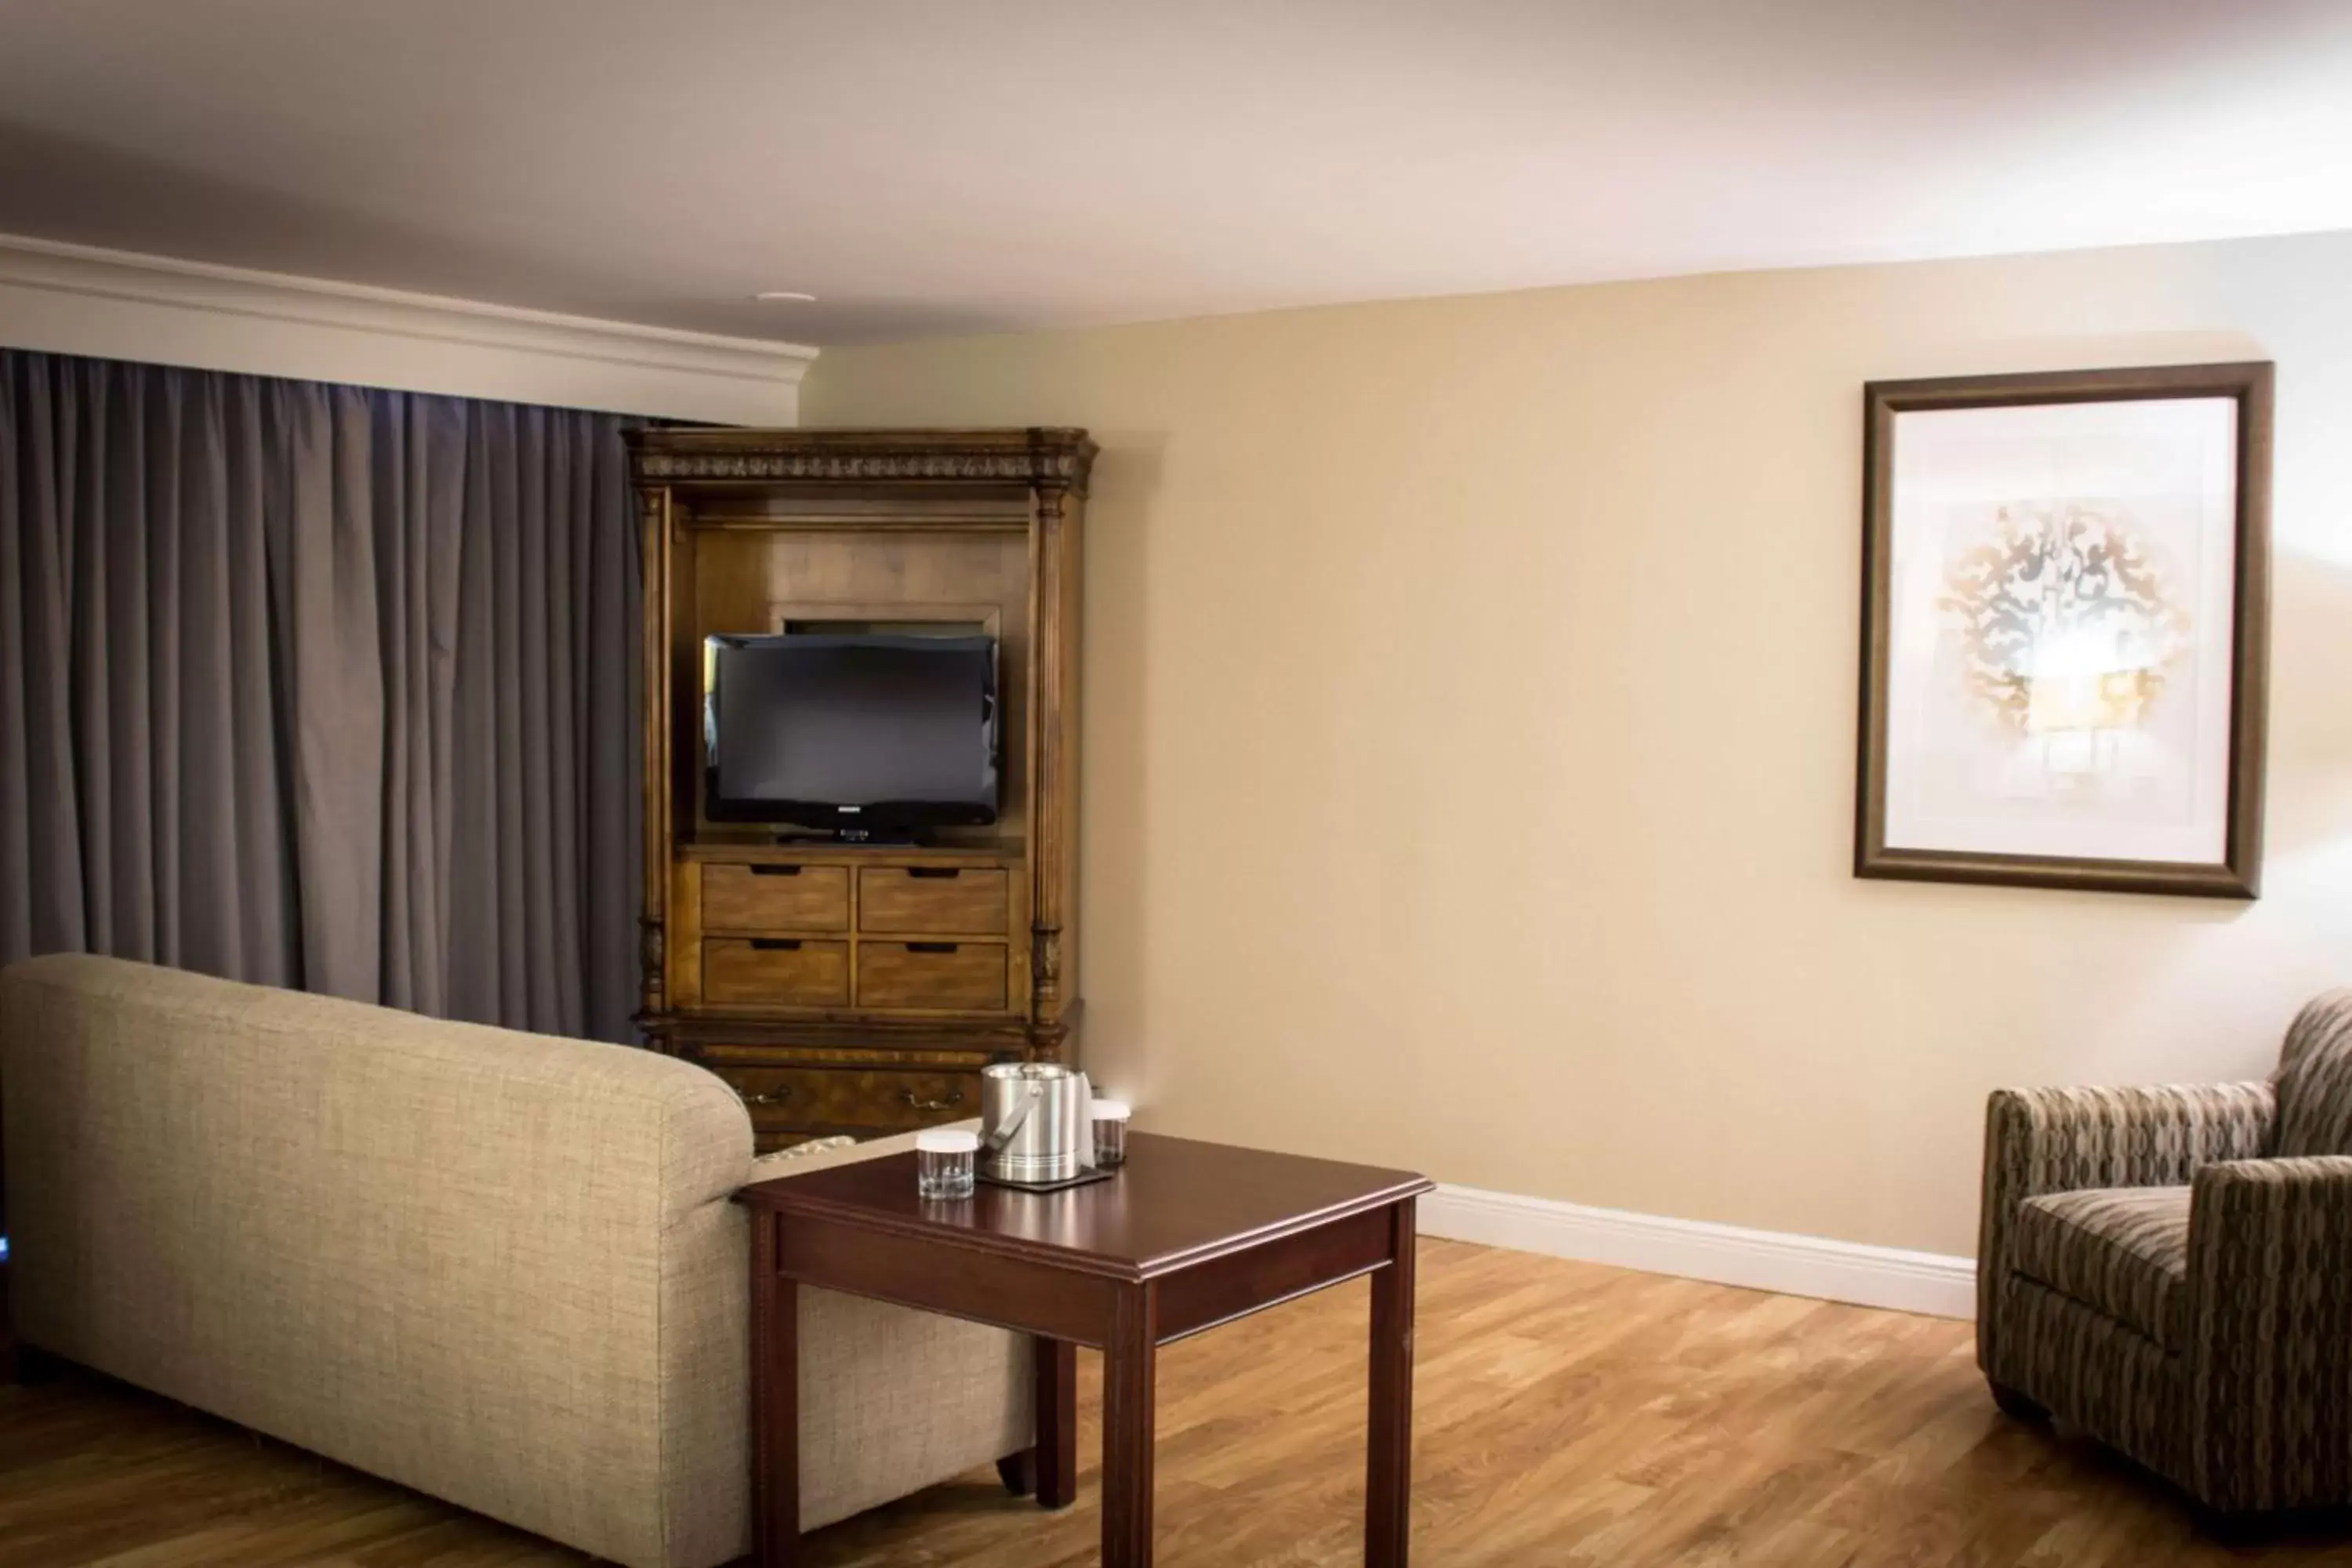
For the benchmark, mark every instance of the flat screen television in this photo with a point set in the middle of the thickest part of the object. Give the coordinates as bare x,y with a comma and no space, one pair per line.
864,735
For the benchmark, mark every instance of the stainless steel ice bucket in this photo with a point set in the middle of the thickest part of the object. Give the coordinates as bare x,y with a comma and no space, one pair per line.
1032,1118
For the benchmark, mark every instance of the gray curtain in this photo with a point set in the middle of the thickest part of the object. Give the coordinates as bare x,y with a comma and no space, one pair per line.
320,685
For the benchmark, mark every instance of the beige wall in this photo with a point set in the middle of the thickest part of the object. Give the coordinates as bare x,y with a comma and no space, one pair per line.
1470,705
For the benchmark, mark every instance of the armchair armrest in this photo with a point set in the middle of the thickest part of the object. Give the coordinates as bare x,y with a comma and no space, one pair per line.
2269,1281
2042,1141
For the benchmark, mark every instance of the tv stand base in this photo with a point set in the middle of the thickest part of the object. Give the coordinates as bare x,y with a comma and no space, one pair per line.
858,838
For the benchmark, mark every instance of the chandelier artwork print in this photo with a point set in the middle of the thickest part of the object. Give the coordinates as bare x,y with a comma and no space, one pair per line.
2064,592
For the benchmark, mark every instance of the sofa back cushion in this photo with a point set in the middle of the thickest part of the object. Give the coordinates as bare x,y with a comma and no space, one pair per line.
438,1252
2315,1080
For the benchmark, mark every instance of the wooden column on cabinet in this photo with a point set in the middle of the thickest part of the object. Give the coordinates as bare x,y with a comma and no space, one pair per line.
840,988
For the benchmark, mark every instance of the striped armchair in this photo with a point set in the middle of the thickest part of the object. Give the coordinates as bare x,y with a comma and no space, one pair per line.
2171,1269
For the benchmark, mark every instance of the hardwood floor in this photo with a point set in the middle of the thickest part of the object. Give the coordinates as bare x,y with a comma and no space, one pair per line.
1568,1415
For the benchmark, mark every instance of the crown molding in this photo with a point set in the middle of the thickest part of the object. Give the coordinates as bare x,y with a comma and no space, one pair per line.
79,298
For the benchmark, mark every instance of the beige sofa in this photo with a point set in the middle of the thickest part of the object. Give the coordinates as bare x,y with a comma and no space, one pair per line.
499,1267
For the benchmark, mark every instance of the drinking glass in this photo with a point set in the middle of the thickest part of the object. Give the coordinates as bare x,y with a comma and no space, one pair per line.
944,1162
1110,1132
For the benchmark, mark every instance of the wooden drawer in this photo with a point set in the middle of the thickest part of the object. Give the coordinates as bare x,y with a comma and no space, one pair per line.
961,976
820,1100
775,898
942,900
774,971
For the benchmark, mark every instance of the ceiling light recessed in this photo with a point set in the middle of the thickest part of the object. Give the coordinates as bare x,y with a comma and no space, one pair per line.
794,295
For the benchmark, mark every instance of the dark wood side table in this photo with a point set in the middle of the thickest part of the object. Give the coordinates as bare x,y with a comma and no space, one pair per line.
1188,1236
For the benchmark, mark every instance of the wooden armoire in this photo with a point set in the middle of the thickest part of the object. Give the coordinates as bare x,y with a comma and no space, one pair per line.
843,988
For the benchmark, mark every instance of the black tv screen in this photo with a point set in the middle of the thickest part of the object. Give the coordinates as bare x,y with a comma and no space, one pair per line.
858,734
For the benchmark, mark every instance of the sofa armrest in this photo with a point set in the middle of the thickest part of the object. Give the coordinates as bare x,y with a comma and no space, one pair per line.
784,1163
2270,1282
2042,1141
892,1400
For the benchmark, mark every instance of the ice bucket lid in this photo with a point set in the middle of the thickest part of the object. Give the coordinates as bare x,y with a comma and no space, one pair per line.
1033,1072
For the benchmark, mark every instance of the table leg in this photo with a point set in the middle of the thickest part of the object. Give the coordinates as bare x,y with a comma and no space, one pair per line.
1130,1362
1388,1475
1056,1454
775,1404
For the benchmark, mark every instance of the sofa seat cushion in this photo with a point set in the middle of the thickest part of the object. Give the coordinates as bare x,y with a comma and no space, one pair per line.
2120,1251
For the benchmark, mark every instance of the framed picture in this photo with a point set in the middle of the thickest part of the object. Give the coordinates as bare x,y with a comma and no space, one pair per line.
2066,629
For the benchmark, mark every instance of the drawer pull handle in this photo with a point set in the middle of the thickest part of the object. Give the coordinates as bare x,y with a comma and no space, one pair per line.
775,870
935,873
931,946
953,1100
775,945
766,1097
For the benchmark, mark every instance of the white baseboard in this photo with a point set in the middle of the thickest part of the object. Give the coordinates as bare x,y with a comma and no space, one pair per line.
1890,1276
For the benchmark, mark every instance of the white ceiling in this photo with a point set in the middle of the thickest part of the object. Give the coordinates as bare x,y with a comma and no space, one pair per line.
948,167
